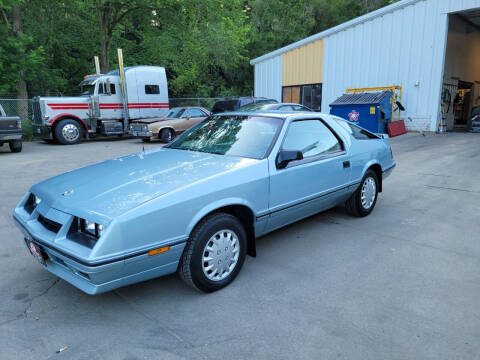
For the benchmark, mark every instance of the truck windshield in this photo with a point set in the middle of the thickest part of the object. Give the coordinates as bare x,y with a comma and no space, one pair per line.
244,136
87,89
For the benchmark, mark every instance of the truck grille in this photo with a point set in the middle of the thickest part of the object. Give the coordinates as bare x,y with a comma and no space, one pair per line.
37,112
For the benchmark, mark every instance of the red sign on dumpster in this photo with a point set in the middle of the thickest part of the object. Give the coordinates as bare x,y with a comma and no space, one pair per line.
353,116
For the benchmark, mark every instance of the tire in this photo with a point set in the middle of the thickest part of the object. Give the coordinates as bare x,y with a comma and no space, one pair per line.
146,140
68,132
218,229
166,135
15,146
355,205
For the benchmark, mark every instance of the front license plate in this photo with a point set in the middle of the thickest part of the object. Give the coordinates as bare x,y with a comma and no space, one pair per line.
36,251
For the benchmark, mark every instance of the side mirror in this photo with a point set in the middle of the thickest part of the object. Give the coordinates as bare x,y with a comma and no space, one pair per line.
286,156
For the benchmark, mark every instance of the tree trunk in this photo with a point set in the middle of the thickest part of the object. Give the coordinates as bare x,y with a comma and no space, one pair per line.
22,93
104,13
17,27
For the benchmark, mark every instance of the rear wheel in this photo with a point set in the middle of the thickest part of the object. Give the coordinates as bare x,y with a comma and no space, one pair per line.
15,145
214,254
363,200
166,135
68,132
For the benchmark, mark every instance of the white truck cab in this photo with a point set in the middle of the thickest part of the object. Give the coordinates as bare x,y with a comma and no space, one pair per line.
101,107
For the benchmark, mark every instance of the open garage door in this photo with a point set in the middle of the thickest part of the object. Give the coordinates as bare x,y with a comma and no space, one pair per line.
461,85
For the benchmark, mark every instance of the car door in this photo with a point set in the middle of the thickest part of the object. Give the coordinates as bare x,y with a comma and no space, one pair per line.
317,182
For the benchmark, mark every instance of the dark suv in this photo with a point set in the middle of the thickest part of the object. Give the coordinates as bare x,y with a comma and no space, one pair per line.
232,104
10,131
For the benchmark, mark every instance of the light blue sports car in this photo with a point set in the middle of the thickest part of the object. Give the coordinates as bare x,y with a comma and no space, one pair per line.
197,205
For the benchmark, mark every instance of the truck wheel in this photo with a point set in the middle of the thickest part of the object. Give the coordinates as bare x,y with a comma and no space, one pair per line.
15,145
166,135
68,132
214,253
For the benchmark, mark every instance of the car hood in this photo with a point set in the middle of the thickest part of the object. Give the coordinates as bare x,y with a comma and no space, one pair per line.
105,190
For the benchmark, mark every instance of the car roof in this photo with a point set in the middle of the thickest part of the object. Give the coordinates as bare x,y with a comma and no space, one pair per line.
276,113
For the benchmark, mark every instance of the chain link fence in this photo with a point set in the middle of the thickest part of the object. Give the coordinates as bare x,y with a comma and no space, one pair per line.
21,108
206,103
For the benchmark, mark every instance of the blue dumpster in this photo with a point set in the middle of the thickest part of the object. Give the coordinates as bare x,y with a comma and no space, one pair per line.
371,110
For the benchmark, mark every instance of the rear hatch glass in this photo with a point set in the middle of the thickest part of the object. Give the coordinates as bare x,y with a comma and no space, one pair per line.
225,105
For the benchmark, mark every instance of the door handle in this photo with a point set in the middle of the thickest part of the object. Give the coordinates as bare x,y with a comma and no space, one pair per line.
346,164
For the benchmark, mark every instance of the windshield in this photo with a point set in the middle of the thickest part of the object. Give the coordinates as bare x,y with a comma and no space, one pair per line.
87,87
245,136
175,113
225,105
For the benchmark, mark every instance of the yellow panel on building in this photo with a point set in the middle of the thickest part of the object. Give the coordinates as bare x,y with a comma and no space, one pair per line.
303,65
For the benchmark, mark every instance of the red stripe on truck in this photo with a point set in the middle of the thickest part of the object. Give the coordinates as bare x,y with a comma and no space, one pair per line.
70,108
148,105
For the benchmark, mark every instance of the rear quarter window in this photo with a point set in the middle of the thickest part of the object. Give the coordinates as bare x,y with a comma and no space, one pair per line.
356,131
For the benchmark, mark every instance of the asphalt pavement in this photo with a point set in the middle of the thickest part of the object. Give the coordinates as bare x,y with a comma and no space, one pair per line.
403,283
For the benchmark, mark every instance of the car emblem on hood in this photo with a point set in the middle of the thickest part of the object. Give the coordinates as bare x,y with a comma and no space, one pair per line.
68,192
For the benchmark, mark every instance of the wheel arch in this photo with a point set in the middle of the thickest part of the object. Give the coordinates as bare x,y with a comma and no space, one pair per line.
375,167
166,127
242,211
60,117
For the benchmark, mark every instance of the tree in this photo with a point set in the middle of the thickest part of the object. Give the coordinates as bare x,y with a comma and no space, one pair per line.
110,15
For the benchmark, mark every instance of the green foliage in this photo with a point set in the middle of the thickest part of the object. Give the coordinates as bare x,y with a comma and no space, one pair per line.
205,45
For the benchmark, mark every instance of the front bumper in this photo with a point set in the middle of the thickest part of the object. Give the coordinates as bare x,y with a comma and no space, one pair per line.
92,276
142,134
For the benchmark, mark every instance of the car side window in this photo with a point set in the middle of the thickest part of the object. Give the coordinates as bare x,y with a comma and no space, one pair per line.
285,107
312,138
357,132
195,113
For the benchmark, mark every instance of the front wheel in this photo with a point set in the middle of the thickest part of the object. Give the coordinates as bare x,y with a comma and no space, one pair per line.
363,200
15,146
68,132
214,253
166,135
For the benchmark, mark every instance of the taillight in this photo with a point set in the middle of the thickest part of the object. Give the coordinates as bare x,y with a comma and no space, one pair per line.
19,124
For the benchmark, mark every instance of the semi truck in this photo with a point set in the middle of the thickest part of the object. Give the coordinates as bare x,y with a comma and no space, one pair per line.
107,104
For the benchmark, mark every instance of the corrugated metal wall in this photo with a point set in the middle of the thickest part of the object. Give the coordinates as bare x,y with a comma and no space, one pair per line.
303,65
268,78
404,47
